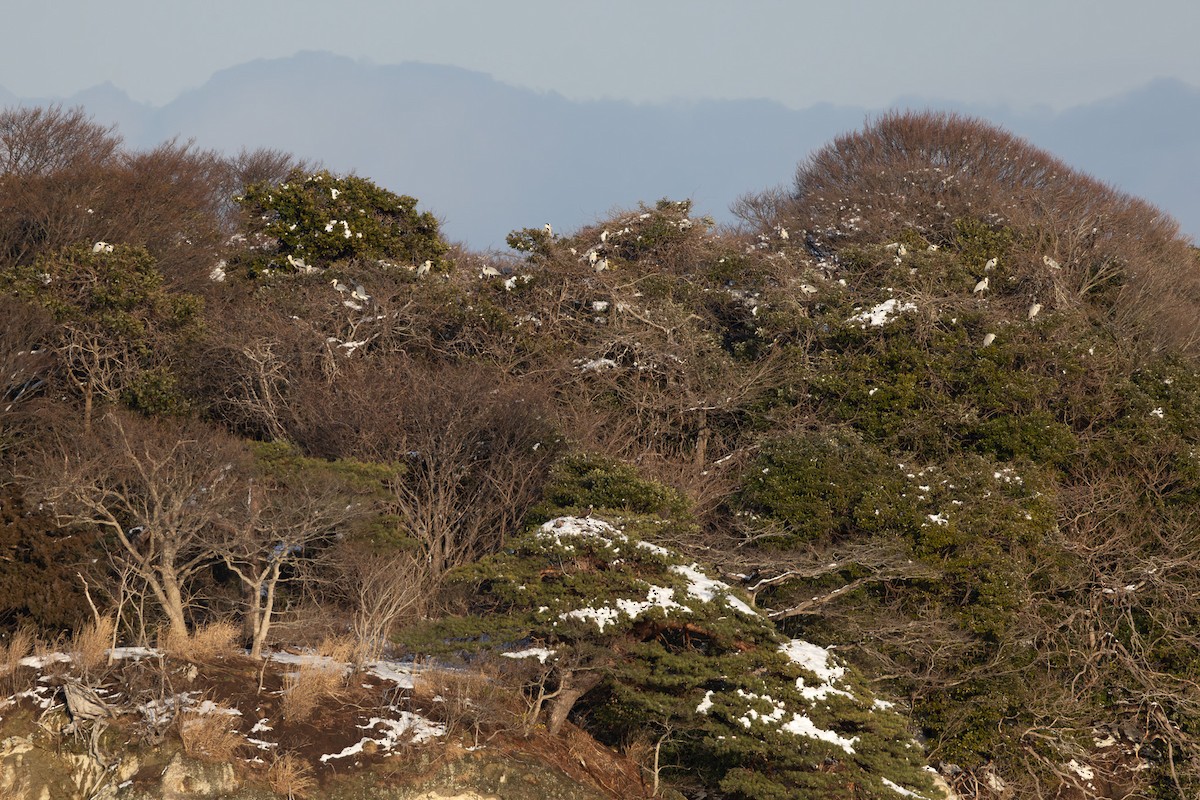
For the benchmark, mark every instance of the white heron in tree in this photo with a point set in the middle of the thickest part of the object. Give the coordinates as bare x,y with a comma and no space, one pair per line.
360,293
338,286
549,231
1049,262
1034,310
981,286
423,270
489,272
604,237
991,264
991,337
783,234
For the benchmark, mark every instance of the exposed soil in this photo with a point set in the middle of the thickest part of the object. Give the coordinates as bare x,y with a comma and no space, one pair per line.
372,729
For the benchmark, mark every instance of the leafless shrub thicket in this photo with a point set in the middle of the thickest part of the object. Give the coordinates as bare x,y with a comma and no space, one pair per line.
1078,240
381,591
154,488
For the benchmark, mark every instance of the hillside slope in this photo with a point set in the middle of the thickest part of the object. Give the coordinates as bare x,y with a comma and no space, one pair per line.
934,411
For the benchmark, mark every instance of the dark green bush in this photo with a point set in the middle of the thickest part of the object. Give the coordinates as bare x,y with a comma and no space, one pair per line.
579,482
321,218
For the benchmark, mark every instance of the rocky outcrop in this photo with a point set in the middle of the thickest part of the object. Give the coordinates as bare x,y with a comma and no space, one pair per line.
31,769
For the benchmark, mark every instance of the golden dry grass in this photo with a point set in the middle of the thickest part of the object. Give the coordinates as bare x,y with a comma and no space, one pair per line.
306,688
291,776
209,643
19,645
89,647
341,649
209,737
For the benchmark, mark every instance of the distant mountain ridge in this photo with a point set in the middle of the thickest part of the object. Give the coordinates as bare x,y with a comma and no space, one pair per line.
489,157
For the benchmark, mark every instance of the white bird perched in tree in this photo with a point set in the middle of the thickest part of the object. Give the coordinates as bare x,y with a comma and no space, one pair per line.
991,337
901,250
593,257
424,268
601,265
1034,310
783,234
489,272
981,286
549,231
1049,262
360,293
338,286
102,247
604,237
991,264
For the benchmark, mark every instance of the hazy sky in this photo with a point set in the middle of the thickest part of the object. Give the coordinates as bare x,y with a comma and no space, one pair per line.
855,52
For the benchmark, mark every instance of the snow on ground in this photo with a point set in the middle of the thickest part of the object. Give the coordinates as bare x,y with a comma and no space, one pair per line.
385,733
881,313
407,727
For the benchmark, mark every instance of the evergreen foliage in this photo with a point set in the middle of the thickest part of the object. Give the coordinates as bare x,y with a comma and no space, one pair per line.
320,219
122,335
681,659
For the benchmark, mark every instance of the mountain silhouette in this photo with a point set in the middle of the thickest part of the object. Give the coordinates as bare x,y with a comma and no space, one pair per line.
488,157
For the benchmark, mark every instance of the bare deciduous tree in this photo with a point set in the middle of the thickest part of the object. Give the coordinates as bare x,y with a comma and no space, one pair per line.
267,532
381,590
154,489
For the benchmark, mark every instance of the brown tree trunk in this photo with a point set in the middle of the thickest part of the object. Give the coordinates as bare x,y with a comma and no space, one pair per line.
251,619
572,686
172,601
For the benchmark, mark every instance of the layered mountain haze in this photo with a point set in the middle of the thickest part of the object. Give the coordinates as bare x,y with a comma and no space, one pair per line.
489,158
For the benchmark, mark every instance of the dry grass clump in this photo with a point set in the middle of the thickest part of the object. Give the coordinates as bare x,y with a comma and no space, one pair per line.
211,642
291,776
20,645
306,688
479,701
340,649
90,645
209,737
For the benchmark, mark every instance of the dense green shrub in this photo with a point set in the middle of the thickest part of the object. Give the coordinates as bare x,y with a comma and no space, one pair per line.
320,218
121,334
643,646
578,482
